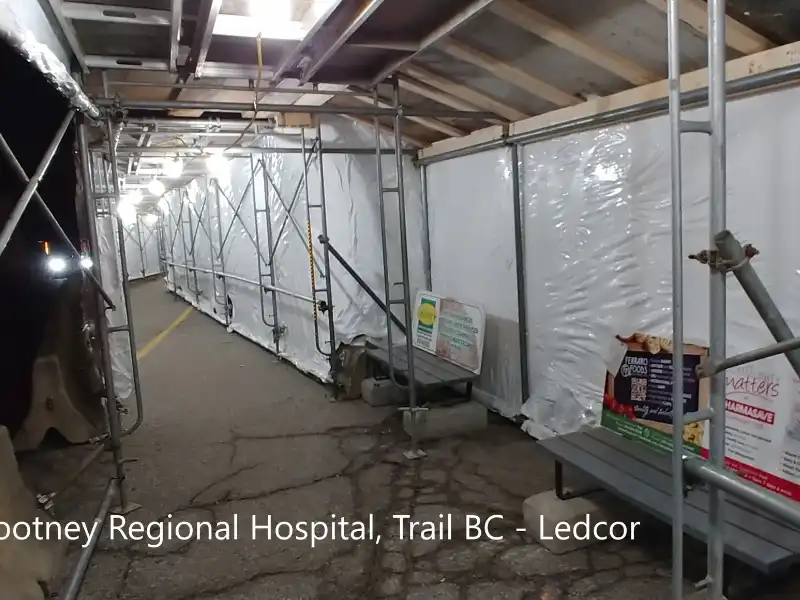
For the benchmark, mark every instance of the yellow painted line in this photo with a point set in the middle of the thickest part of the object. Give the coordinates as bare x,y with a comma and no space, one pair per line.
150,346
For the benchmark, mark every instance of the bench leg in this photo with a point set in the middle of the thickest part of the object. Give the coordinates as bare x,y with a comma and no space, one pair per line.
563,494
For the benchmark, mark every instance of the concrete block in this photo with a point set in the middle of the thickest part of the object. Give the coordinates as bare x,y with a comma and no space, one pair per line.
57,402
446,421
23,563
544,511
381,392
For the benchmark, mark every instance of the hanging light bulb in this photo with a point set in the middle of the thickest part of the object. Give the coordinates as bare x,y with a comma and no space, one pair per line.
217,164
150,219
134,197
156,188
173,168
126,212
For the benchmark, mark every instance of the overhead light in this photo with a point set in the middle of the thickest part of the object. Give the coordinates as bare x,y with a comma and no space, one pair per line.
126,212
134,197
217,164
150,219
173,169
156,188
86,262
56,264
271,11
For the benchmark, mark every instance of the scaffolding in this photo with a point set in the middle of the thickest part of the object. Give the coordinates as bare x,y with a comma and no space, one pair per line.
724,256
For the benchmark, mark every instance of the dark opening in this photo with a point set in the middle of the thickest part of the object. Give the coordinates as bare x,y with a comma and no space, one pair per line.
31,111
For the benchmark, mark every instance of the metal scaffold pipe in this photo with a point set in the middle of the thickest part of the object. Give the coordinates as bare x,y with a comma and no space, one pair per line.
674,66
717,298
323,109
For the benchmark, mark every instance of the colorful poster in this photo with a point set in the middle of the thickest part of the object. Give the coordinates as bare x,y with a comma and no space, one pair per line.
426,322
762,425
762,409
637,401
449,329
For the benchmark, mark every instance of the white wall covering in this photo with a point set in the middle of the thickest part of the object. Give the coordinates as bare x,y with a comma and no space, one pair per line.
141,247
598,247
111,272
351,193
471,220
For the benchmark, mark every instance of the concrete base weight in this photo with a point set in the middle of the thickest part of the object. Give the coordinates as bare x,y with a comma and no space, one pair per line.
23,562
381,392
543,513
446,421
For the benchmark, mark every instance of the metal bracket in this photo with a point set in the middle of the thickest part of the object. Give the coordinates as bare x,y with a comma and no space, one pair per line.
713,259
278,332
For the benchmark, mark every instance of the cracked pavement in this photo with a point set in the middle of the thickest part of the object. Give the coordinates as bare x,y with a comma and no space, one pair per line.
231,430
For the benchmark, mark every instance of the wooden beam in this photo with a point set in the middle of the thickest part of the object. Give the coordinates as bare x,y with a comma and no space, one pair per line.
420,89
470,95
564,37
738,36
434,124
509,73
769,60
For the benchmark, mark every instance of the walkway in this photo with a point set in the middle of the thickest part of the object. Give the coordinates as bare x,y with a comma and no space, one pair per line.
230,430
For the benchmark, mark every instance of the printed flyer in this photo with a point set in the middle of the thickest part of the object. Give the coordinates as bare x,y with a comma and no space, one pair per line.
762,409
637,401
449,329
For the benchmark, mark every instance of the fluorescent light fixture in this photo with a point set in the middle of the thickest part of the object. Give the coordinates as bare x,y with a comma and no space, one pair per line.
173,168
86,262
156,188
217,165
126,212
273,19
250,27
134,197
56,264
150,219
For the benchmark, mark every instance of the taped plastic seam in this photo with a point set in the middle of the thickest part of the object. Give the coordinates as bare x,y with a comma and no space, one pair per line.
15,27
471,220
598,243
220,224
111,271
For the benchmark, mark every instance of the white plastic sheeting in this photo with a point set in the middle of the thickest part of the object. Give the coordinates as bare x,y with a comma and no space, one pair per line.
471,220
598,243
142,241
111,274
25,26
211,225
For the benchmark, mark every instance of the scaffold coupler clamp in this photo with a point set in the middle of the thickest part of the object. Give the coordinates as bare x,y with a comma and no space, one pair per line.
324,240
323,306
690,482
714,260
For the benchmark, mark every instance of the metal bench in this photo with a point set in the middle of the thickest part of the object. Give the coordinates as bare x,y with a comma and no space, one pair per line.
643,477
429,371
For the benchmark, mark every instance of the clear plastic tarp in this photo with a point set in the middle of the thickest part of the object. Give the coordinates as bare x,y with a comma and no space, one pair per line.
222,224
598,250
111,273
142,246
25,26
471,220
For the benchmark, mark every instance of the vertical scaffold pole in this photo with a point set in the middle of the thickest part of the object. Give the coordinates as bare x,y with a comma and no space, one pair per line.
326,256
401,201
717,304
673,44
